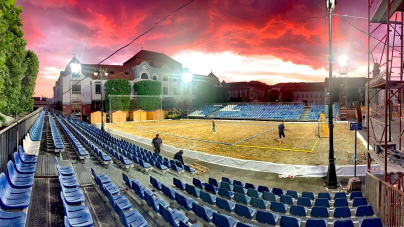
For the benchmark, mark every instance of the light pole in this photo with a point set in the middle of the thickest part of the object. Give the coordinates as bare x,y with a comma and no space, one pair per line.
331,179
343,61
101,77
186,78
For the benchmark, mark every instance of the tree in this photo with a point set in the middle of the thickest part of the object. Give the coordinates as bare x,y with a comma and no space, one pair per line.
274,96
117,87
28,82
12,57
287,96
148,87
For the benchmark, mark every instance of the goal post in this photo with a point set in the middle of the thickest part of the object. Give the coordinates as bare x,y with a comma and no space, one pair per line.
323,130
147,107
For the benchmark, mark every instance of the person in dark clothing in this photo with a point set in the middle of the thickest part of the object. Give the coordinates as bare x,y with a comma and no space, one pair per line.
281,129
178,156
157,144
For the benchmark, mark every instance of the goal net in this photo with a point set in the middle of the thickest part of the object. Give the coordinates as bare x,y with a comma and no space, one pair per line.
136,107
323,130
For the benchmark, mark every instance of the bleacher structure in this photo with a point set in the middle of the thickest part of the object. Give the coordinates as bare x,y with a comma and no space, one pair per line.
205,110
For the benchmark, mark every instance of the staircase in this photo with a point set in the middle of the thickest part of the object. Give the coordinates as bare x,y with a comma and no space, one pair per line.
305,114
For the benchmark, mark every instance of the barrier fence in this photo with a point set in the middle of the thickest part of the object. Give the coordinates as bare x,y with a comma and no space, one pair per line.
13,135
387,201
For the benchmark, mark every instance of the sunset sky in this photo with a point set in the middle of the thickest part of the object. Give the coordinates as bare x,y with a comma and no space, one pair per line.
279,41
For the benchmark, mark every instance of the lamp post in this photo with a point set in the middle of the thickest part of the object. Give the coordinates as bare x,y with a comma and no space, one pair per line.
331,179
102,72
186,78
343,61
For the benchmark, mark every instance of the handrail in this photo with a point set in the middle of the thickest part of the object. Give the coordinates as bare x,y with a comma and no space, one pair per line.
21,120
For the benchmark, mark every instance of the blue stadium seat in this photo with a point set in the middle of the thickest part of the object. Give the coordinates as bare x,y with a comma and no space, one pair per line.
208,198
254,193
156,184
304,201
298,210
203,212
226,193
173,216
155,202
286,199
239,189
240,198
340,202
226,185
364,210
73,195
324,195
319,212
359,201
192,190
184,201
309,195
11,198
161,167
339,195
240,224
13,218
278,207
140,189
263,189
343,223
131,218
212,189
269,196
110,187
292,193
277,191
342,212
68,181
316,223
267,217
245,211
176,169
322,202
198,183
287,221
76,215
223,220
103,178
169,192
189,170
214,182
18,180
28,159
370,222
353,195
225,179
21,167
249,185
183,224
225,204
259,203
119,201
179,184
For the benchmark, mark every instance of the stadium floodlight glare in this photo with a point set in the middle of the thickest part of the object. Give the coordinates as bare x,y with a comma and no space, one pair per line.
342,60
330,4
75,67
187,77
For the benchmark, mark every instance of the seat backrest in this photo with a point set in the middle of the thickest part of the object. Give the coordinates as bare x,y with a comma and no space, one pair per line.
223,204
224,193
225,179
298,210
339,195
324,195
343,223
359,201
354,195
269,196
309,195
181,200
126,179
265,217
249,185
319,211
222,220
206,197
153,182
364,210
259,203
288,221
287,199
244,211
3,184
342,212
166,191
252,193
340,202
10,169
316,223
373,222
322,202
150,201
200,211
240,198
304,201
225,185
278,207
197,183
292,194
213,182
277,191
239,189
237,182
263,189
210,188
166,215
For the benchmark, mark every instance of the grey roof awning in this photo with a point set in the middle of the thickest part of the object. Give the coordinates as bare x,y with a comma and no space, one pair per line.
380,15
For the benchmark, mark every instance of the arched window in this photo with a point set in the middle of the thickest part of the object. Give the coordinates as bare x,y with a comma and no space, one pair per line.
165,78
144,76
154,78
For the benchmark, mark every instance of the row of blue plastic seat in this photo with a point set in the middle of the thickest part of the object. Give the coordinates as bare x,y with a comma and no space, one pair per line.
205,110
57,139
80,150
262,216
35,132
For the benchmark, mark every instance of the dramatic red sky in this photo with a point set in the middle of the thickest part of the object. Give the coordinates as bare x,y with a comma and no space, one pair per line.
281,44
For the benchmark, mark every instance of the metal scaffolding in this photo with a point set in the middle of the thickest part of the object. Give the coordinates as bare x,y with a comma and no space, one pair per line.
385,52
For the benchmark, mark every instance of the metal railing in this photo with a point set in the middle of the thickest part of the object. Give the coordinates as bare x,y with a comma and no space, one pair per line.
13,135
386,200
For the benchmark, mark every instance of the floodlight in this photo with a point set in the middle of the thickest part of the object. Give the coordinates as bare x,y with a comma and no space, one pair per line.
187,77
75,67
95,73
342,60
330,4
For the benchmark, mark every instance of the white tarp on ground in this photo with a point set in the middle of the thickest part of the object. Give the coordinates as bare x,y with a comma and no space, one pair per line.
295,170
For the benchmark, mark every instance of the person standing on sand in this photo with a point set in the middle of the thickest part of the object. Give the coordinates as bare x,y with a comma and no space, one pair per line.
213,126
281,129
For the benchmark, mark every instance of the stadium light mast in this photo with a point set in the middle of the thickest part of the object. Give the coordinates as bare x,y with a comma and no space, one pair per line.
102,72
331,179
186,78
